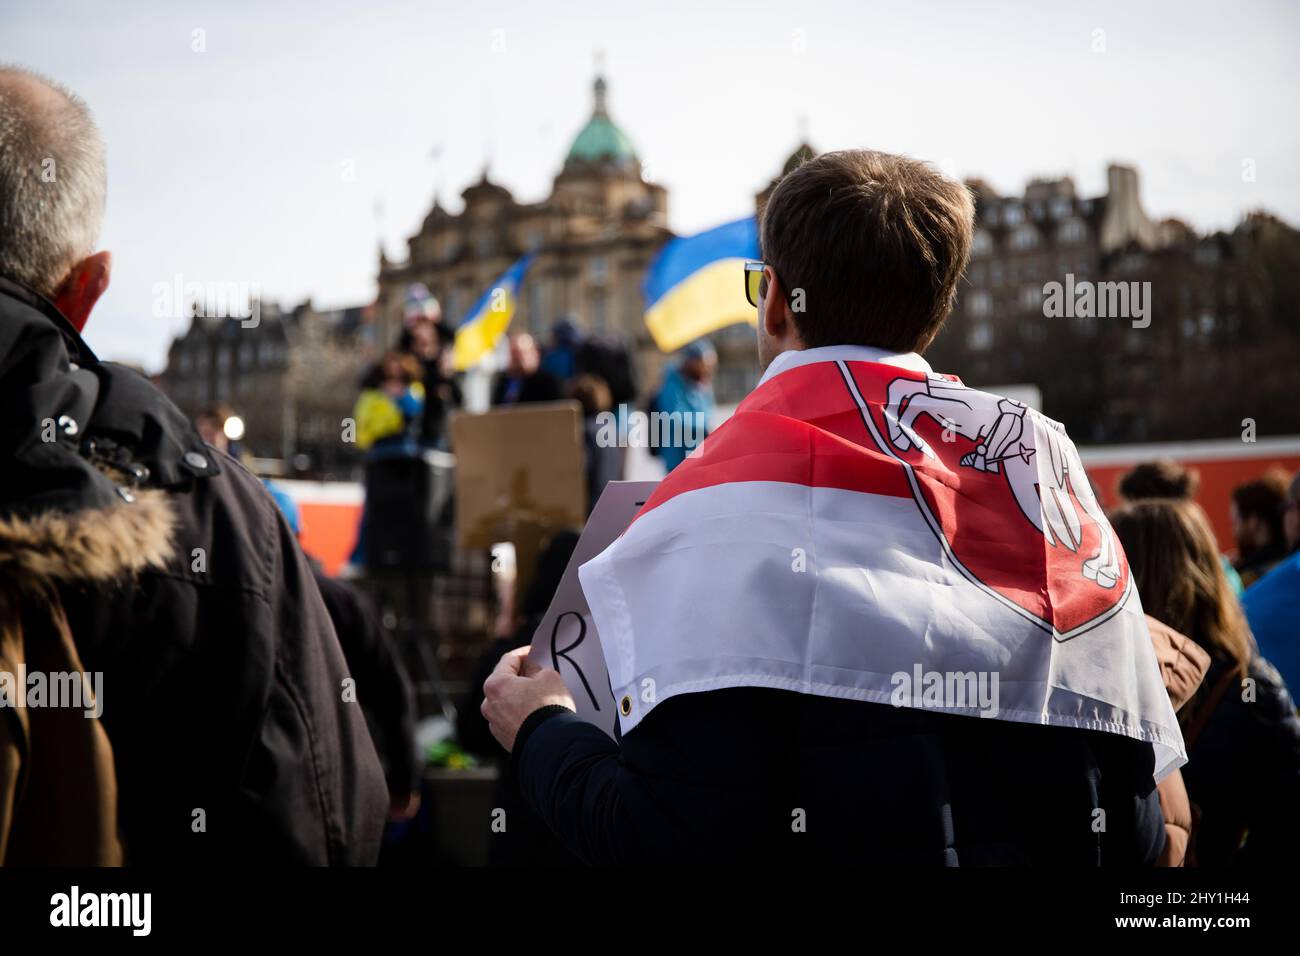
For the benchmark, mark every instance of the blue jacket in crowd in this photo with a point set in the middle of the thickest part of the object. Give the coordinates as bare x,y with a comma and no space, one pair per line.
1273,610
689,399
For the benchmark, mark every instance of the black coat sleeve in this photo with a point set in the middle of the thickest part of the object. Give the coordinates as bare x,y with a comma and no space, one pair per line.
571,773
694,780
383,687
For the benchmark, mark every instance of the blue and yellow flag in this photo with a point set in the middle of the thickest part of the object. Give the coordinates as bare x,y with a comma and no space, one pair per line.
488,320
696,284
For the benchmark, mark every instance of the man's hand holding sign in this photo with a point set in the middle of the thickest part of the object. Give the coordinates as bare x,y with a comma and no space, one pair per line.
566,650
516,688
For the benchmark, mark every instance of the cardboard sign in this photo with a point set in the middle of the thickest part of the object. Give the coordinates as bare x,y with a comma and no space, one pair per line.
519,478
566,640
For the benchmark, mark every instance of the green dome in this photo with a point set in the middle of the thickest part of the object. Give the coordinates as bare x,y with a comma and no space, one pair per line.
601,140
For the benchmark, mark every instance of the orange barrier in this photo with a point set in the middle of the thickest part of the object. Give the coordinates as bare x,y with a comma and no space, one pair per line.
330,512
1223,465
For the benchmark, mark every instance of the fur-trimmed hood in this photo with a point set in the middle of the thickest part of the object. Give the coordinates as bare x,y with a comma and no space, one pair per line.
95,545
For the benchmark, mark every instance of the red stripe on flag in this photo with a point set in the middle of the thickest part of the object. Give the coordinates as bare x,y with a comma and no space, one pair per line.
808,432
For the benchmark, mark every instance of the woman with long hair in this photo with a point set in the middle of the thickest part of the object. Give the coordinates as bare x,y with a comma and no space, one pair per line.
1241,729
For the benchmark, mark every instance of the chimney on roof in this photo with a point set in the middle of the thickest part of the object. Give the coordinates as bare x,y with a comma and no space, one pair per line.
1124,222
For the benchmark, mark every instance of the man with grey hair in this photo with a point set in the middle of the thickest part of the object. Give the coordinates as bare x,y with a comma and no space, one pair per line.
52,191
132,550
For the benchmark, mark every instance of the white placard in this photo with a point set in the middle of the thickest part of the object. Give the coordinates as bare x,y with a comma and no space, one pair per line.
566,640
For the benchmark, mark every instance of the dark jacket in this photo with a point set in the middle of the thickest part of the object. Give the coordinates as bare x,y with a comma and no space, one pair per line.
222,673
382,686
773,777
1243,769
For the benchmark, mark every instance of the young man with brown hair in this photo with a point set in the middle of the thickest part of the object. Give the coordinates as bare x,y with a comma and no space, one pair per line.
878,617
1258,512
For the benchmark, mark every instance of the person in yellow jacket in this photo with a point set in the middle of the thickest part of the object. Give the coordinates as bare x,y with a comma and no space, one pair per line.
387,415
391,403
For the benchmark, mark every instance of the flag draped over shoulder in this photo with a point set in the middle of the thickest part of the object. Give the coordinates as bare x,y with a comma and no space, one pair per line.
696,285
488,320
864,528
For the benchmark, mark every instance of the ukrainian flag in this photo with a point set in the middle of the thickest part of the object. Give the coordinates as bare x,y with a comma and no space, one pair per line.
696,284
488,319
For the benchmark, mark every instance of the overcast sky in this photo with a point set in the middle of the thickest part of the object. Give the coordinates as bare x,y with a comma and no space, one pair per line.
263,157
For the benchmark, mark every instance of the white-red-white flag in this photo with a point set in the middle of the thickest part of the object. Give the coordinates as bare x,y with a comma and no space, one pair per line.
864,528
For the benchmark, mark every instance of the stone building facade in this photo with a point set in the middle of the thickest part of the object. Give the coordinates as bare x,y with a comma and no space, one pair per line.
292,377
1218,343
1222,341
593,238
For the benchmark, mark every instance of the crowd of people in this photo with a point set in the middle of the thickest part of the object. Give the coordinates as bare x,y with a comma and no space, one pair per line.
259,715
407,395
1239,724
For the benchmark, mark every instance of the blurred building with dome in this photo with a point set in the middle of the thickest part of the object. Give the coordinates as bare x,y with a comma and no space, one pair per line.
1224,333
593,238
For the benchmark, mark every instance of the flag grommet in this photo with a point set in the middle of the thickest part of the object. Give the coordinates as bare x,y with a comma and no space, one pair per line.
625,705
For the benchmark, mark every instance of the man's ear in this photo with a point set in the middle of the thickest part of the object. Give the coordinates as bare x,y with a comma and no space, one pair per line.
778,321
85,283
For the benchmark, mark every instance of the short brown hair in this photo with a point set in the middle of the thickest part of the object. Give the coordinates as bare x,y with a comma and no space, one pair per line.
1162,478
874,242
1265,497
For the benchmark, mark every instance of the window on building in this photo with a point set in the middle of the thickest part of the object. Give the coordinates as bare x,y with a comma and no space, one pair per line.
1207,253
981,303
1013,214
1024,237
980,336
1060,207
1031,298
599,270
982,244
1072,232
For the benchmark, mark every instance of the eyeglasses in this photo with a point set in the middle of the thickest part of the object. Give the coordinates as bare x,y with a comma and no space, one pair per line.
755,283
